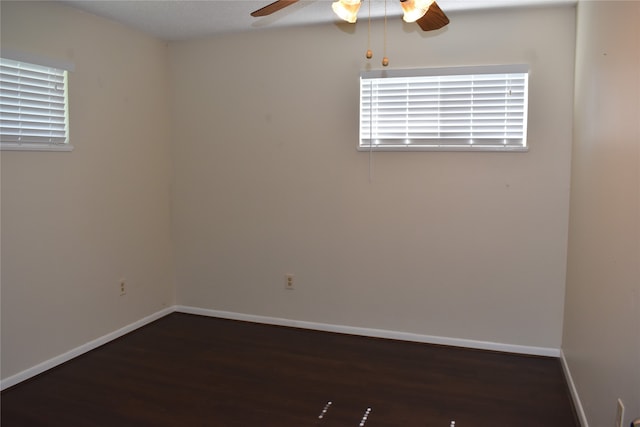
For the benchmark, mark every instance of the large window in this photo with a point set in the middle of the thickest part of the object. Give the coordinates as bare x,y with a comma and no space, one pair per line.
461,108
33,106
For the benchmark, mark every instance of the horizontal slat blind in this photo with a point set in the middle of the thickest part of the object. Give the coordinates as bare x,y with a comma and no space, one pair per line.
32,104
486,111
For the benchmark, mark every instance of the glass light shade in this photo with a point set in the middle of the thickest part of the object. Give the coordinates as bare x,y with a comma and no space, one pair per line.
415,9
346,10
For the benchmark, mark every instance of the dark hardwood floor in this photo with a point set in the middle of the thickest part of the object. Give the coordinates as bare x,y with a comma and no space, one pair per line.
186,370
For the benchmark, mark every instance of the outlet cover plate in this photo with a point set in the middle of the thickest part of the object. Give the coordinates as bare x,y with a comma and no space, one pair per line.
289,282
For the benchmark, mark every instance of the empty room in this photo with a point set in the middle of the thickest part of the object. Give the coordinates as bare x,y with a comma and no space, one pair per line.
233,220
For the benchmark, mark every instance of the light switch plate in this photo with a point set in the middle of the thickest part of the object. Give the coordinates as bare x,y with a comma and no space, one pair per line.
620,414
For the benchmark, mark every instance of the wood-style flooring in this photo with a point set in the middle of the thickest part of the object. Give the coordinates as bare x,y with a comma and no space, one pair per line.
187,370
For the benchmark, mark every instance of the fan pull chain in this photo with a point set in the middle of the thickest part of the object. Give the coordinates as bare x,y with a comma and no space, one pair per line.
385,60
369,54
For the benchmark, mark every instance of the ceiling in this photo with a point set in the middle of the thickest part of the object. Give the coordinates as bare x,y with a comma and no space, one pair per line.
174,20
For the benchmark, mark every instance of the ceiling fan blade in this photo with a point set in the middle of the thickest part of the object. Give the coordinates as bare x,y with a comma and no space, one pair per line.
273,7
434,18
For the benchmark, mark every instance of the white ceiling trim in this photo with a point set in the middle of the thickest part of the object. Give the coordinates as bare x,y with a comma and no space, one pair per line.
174,20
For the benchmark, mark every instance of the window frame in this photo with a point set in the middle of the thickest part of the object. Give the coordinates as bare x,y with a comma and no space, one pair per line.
366,140
62,66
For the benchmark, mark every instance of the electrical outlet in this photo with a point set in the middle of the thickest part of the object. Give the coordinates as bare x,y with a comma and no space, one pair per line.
620,414
123,287
288,282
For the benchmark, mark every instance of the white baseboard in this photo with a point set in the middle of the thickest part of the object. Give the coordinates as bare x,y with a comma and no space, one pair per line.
376,333
574,391
65,357
351,330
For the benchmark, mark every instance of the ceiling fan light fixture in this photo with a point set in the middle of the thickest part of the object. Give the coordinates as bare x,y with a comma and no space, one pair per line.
415,9
346,10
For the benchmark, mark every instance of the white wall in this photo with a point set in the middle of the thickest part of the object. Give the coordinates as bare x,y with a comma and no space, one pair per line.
74,223
601,339
268,182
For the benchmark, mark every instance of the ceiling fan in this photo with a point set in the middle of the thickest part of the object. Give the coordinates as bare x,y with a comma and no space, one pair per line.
426,13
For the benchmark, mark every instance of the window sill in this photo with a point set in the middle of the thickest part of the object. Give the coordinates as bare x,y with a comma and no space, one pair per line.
5,146
478,148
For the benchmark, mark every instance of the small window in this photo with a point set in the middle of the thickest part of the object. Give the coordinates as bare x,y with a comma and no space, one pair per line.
33,107
446,109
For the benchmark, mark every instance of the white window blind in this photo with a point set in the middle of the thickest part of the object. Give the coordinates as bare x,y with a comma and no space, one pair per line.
462,108
33,106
